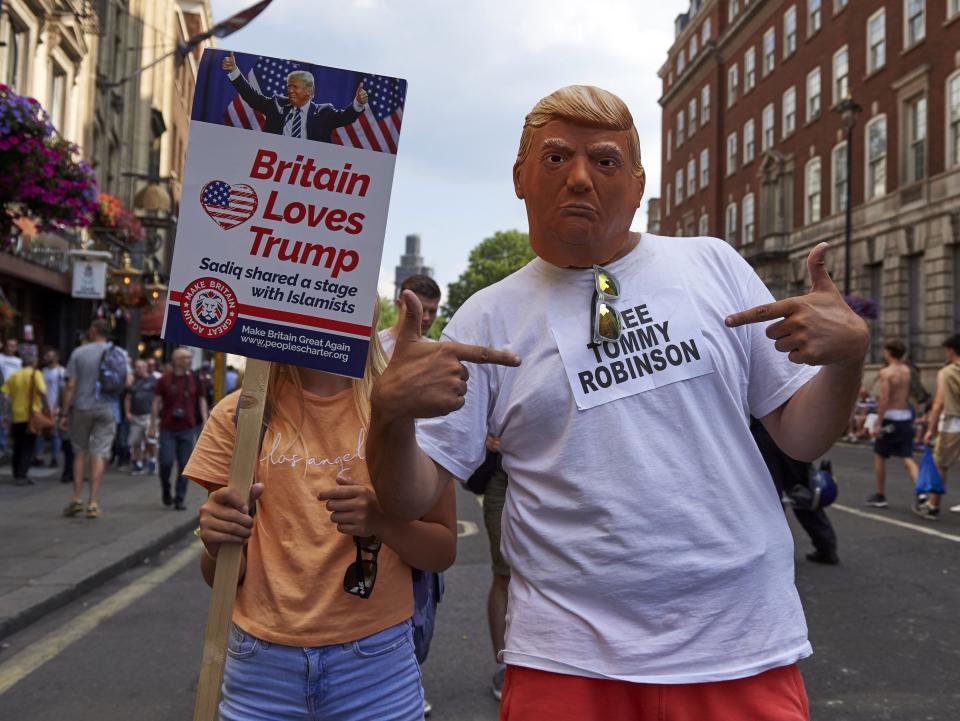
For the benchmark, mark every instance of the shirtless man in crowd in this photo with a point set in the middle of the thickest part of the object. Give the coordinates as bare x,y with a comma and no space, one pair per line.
893,432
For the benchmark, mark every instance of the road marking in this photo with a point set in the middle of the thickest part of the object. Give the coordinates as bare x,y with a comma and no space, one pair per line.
466,528
37,654
895,522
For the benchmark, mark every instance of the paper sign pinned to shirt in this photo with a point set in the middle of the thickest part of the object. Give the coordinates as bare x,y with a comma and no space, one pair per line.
662,343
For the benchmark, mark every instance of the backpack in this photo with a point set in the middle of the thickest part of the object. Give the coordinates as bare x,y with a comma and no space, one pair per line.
112,376
427,592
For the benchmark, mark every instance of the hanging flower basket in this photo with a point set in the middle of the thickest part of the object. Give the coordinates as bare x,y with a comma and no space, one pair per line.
41,175
111,214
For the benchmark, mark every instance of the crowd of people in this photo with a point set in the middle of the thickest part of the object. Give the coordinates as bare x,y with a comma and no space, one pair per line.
103,408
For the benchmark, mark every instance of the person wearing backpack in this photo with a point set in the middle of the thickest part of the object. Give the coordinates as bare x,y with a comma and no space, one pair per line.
179,408
87,412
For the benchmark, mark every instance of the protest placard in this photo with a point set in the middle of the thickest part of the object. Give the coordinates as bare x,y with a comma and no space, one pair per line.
277,255
284,210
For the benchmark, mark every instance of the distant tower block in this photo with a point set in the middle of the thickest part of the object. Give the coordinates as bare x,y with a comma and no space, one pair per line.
411,263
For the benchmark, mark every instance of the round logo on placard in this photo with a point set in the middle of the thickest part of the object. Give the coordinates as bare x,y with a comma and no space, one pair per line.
209,307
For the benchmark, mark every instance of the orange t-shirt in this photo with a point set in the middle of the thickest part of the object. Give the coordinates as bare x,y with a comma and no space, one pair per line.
292,593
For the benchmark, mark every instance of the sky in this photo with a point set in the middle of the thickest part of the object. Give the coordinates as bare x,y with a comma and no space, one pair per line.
474,71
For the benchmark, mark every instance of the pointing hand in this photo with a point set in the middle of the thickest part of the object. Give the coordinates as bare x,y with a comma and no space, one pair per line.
426,379
818,328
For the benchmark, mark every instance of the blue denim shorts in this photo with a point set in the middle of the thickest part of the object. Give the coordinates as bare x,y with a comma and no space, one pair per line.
376,677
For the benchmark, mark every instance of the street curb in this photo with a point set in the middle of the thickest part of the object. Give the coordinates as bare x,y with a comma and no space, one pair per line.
84,575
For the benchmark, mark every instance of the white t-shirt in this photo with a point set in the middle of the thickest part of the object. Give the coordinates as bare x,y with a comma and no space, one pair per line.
387,341
645,535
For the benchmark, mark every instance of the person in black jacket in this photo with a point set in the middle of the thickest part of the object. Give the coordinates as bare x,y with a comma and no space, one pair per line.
295,114
787,473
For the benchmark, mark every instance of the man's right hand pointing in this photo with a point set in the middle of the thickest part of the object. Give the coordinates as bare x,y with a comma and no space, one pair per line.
423,379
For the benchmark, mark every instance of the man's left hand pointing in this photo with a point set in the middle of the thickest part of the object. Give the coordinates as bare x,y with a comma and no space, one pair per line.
818,328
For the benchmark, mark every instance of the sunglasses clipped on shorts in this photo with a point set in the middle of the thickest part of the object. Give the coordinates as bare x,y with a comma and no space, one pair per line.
606,323
362,573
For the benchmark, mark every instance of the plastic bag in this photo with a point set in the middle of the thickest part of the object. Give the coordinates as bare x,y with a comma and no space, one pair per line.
928,479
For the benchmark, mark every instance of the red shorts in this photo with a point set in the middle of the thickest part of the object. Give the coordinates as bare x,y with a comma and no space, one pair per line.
532,695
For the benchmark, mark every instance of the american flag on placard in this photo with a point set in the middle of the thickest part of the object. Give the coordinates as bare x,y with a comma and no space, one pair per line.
228,206
269,78
378,128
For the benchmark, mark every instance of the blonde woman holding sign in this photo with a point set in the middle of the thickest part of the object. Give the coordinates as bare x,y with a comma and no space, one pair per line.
322,617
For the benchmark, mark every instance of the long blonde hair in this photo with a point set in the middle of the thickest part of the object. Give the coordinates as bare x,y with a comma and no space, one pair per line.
282,374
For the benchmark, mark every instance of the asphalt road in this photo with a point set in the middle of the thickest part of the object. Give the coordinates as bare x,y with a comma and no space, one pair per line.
883,625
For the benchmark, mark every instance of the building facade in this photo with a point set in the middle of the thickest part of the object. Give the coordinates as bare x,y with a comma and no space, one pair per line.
755,149
80,59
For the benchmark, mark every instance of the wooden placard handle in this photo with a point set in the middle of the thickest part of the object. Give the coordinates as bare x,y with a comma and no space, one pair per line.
246,450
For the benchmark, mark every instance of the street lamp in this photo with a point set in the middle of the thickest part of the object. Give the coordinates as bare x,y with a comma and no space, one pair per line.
848,110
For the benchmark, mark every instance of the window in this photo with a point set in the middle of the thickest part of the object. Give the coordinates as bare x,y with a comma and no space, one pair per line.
876,137
749,70
916,138
705,31
678,187
953,119
813,94
16,42
915,303
731,153
841,70
877,41
733,81
680,124
789,111
766,141
838,179
749,141
691,177
956,288
693,49
790,31
953,8
748,226
732,224
814,21
669,144
692,115
705,105
704,168
681,62
669,196
769,51
914,18
704,225
733,9
876,292
811,192
839,5
58,96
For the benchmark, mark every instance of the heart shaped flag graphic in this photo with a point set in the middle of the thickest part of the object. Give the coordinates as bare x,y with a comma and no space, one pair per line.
228,205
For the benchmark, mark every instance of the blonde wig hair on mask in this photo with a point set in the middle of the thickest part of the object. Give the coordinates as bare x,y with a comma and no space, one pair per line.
583,105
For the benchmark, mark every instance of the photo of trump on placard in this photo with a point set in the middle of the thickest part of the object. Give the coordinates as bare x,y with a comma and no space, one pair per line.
300,100
295,115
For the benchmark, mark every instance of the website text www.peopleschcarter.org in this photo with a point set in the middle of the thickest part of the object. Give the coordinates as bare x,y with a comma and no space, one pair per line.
283,341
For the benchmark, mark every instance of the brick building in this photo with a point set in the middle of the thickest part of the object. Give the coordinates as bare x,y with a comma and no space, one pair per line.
754,148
